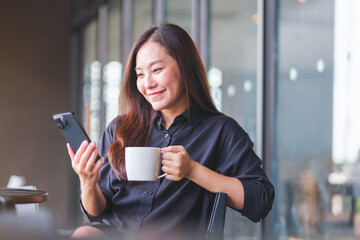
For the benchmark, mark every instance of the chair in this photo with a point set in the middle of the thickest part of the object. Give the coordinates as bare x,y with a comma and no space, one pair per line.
23,209
215,230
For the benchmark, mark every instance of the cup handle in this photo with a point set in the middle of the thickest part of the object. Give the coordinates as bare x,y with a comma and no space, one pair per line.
162,175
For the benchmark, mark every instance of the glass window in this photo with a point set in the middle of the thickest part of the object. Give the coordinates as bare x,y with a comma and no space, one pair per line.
113,67
317,120
232,79
142,18
179,13
233,60
92,81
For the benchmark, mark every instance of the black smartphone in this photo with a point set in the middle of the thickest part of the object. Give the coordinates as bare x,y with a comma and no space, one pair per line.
72,129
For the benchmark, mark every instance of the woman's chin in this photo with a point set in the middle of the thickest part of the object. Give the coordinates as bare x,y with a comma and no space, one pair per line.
156,107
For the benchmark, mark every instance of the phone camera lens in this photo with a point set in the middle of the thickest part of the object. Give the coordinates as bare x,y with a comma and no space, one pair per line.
60,122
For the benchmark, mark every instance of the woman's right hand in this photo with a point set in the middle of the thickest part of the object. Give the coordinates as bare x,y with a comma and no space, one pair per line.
83,163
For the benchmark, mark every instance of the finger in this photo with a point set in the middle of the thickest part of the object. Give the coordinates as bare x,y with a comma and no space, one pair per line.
167,164
80,151
86,155
173,149
171,167
167,156
167,169
172,177
170,164
70,151
175,163
90,163
98,164
170,156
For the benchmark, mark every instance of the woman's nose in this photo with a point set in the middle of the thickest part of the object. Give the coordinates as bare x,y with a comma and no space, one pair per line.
149,82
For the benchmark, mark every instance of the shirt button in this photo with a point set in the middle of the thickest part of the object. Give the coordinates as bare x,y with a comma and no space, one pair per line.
166,135
138,219
150,193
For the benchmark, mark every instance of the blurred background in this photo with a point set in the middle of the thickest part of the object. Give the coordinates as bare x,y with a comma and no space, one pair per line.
286,70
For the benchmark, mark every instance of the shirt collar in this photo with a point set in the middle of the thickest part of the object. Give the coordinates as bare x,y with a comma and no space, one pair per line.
157,119
195,114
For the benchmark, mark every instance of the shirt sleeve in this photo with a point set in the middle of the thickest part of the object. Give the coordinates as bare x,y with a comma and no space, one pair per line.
238,159
105,173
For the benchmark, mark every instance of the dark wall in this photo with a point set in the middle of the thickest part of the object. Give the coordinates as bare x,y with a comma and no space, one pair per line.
34,84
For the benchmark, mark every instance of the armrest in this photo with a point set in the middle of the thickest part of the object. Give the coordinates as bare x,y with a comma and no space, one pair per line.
217,217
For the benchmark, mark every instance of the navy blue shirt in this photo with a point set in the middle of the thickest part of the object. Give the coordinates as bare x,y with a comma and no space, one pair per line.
215,141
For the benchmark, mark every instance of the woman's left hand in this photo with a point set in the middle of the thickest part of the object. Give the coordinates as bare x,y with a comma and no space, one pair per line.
176,163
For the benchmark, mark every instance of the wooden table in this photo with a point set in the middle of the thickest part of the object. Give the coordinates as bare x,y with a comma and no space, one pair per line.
11,196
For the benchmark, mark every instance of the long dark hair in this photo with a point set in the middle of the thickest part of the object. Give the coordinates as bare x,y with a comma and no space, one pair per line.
135,121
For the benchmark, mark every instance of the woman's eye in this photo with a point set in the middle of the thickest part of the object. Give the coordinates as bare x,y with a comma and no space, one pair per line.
157,70
139,75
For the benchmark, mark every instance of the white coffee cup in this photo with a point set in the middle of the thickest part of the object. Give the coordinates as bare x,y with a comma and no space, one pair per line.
142,163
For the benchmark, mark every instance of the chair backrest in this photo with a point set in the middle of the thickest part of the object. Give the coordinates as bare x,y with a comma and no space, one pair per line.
2,204
216,224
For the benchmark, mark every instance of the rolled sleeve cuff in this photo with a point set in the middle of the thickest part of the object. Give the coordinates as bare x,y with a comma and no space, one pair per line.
100,217
257,201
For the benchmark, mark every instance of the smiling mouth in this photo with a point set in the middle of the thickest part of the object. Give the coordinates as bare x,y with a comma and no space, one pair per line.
154,94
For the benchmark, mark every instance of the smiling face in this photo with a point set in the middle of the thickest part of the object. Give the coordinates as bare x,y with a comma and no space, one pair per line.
159,80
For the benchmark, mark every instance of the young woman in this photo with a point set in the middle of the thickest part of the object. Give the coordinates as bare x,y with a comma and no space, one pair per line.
165,102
